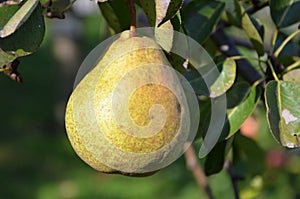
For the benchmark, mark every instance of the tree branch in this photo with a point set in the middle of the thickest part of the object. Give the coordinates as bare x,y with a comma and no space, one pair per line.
248,44
227,46
256,7
194,167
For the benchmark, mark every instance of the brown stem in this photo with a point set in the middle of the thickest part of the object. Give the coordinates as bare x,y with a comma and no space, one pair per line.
132,18
194,167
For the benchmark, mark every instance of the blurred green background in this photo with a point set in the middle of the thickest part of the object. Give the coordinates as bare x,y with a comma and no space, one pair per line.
37,161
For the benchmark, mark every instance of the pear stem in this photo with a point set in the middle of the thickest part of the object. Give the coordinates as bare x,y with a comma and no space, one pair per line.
132,18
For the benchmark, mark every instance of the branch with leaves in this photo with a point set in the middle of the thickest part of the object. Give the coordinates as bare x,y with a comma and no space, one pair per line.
268,74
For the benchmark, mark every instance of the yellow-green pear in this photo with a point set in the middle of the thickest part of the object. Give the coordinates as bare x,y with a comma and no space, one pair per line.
127,113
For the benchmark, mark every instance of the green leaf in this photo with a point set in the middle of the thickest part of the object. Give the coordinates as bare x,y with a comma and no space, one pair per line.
252,33
285,12
26,39
292,76
288,60
160,11
225,80
176,62
211,85
150,10
18,18
5,58
200,17
290,49
283,112
242,101
215,160
117,14
259,27
166,10
248,156
6,12
234,15
164,36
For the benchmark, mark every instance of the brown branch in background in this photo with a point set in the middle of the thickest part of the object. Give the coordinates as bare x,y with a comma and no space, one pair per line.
194,167
247,44
257,7
132,18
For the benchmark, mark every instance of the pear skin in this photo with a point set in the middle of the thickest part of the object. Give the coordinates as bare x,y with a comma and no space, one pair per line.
112,113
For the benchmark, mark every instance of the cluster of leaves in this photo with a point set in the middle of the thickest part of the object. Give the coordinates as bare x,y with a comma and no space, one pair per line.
22,29
269,77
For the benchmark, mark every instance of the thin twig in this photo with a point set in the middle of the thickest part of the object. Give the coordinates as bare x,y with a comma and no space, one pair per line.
234,179
194,167
132,18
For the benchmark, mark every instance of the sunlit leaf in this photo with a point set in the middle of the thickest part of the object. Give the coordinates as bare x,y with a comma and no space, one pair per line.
225,80
283,111
200,17
252,33
5,58
18,18
213,83
164,36
242,101
26,39
293,76
285,12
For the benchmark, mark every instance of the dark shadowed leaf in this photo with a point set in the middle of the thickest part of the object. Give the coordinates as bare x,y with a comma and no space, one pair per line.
149,9
172,8
160,11
200,17
215,160
26,39
285,12
117,14
283,111
248,156
290,49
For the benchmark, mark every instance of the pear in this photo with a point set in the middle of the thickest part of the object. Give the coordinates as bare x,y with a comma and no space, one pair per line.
128,113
